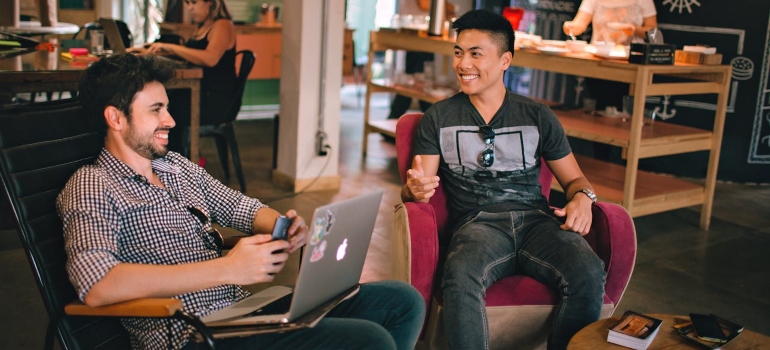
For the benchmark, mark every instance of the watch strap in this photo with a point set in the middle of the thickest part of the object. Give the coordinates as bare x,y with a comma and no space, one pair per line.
588,193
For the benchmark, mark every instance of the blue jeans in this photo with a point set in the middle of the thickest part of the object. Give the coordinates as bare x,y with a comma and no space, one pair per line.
491,246
383,315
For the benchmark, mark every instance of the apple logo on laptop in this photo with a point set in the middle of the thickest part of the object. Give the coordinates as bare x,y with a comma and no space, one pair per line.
341,249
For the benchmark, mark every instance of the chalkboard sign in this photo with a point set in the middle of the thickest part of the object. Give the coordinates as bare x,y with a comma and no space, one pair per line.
740,32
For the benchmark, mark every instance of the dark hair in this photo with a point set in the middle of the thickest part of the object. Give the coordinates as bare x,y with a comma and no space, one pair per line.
494,24
219,10
115,80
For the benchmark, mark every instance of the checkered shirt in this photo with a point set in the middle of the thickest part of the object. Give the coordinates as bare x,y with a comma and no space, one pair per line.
113,215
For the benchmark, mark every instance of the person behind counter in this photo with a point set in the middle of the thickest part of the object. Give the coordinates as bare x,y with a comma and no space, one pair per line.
212,46
641,15
599,13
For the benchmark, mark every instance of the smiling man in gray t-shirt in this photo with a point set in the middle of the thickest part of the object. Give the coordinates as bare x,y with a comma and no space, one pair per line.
485,145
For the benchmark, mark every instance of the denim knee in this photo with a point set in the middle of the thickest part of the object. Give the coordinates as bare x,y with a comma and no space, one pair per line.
590,281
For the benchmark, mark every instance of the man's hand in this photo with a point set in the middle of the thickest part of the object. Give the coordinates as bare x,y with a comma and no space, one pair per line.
420,187
255,259
298,231
571,28
578,213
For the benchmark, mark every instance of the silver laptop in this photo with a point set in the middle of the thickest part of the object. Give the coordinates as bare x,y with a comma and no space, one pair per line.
112,33
331,265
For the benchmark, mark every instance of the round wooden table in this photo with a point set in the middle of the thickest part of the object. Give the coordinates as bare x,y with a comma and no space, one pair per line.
594,336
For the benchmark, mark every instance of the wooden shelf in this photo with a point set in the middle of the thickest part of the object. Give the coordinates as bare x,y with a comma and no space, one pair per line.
658,138
640,192
654,193
414,91
385,127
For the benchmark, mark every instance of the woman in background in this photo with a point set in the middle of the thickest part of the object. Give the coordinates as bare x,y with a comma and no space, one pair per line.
212,47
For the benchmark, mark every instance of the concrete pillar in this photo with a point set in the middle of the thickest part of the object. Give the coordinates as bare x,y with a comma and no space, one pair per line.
302,94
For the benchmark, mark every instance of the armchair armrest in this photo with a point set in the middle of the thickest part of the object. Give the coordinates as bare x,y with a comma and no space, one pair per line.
415,246
149,307
615,242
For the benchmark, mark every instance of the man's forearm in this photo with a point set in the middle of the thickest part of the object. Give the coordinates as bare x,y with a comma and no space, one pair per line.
576,186
132,281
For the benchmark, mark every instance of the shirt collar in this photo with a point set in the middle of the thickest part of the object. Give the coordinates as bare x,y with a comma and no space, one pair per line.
109,161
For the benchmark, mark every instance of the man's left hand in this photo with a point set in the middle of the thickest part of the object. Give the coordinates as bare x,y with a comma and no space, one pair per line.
298,231
578,213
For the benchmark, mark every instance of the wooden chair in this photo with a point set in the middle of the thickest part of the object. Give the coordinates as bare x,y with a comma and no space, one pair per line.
519,308
35,164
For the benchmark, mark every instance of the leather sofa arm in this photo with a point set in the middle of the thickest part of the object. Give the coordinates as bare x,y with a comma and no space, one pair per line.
149,307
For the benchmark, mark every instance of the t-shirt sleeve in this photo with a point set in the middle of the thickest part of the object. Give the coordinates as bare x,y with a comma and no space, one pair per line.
427,140
554,144
648,8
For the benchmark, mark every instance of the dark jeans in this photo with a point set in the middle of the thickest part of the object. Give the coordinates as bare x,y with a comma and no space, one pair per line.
494,245
383,315
401,104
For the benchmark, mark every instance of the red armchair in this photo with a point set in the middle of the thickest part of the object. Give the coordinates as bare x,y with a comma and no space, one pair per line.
518,307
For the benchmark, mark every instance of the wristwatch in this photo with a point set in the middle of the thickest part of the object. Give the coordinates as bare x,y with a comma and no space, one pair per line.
588,193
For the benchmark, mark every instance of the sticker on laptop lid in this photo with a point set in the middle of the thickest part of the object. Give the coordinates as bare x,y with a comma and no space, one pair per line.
318,252
322,227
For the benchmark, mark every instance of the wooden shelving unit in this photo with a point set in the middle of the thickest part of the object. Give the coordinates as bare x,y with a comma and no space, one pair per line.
640,192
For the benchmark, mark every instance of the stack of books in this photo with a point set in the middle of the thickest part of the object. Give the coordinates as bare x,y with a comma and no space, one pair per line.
634,330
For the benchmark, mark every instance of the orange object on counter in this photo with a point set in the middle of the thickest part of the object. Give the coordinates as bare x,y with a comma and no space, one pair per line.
44,46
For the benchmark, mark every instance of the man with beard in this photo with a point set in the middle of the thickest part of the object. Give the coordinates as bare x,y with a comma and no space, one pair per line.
138,224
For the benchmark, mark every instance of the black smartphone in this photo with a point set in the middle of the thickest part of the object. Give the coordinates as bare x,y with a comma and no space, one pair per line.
280,228
707,328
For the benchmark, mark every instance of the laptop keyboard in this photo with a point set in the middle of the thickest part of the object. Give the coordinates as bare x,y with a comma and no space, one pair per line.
278,307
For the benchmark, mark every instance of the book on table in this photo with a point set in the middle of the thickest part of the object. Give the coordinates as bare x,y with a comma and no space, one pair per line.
634,330
730,331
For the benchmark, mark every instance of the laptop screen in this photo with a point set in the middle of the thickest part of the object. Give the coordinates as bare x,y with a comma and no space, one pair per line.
112,33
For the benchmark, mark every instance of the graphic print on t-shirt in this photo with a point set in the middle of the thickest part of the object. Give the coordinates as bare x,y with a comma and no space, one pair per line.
514,148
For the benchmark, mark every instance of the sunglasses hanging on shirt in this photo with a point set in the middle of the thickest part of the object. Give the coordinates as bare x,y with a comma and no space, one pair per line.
486,157
212,239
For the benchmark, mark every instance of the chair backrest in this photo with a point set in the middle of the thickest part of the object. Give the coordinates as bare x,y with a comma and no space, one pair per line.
406,131
247,62
34,167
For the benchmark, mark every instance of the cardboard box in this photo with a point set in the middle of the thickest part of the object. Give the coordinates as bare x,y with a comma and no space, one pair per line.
682,56
651,53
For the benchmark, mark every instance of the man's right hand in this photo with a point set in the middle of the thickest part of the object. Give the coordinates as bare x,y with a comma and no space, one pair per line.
420,187
253,260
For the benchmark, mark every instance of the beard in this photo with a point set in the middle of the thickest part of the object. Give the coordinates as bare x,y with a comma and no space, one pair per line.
144,145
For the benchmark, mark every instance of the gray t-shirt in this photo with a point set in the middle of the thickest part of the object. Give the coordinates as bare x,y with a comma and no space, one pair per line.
525,131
